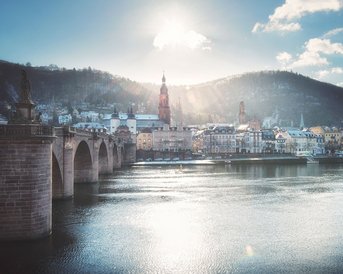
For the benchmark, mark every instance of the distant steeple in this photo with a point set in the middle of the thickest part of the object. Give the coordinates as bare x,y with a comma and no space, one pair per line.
180,113
241,115
115,113
302,125
130,114
163,79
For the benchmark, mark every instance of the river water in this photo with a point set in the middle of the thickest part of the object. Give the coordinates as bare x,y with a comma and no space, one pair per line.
197,219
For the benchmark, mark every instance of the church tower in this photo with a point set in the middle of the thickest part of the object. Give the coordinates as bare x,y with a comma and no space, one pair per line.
163,107
241,115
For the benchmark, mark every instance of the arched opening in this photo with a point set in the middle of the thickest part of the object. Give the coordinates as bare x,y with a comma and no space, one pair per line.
115,157
103,159
57,184
83,168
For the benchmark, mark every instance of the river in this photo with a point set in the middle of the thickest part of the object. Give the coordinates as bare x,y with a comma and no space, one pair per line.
196,219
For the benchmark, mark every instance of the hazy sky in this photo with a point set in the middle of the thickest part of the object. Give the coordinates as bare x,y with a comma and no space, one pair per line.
192,41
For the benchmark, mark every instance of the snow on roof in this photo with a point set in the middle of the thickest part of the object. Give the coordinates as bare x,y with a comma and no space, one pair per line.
147,117
296,133
89,125
124,116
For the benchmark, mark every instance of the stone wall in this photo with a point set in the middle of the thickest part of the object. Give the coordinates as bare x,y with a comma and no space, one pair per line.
25,188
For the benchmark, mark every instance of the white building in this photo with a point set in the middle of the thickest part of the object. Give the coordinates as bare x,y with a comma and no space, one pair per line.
89,116
301,143
65,119
135,122
220,140
256,144
113,121
172,139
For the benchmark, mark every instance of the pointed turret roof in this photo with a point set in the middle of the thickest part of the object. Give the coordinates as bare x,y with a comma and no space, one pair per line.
130,114
115,113
163,78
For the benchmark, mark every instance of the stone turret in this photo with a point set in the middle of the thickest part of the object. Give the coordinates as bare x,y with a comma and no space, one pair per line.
131,121
25,108
25,172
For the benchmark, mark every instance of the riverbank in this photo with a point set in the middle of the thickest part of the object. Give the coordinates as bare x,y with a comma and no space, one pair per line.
264,160
329,160
171,162
287,160
233,161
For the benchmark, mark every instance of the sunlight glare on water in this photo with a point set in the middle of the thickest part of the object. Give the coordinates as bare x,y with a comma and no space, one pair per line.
203,219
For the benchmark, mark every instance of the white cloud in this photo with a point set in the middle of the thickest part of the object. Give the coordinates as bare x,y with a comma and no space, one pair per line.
178,37
313,50
324,73
337,70
195,40
333,32
308,58
284,17
340,84
276,26
284,58
324,46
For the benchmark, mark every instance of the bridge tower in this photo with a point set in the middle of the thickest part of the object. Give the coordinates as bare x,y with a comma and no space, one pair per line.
25,172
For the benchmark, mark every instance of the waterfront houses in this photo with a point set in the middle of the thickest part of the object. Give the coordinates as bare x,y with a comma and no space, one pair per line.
172,139
299,142
219,140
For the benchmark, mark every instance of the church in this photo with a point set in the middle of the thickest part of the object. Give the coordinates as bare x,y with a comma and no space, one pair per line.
137,122
152,132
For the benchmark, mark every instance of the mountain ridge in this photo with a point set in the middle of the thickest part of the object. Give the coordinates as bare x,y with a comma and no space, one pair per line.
264,93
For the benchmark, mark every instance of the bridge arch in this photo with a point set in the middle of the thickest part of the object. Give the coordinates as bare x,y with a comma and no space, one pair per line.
115,156
103,159
83,165
57,182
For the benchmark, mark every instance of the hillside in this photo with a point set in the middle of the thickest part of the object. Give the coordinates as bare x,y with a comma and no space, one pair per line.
72,86
264,94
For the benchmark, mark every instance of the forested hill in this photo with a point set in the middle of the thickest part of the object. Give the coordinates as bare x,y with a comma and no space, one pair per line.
71,86
264,94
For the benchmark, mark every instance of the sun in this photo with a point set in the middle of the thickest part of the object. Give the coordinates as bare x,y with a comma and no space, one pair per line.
172,33
175,34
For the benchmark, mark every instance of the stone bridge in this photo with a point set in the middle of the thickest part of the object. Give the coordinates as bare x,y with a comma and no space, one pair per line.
80,156
40,163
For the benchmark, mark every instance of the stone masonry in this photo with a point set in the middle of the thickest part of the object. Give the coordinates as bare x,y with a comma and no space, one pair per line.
25,186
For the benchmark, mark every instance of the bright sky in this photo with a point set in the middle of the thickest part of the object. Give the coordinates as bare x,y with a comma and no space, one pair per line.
193,41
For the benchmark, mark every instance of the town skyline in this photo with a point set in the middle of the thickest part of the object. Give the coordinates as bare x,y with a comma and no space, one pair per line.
194,41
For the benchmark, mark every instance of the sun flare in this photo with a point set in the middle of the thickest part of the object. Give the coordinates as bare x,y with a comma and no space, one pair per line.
171,33
175,34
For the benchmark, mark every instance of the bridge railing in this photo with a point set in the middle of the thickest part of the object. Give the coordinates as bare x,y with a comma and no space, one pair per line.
26,131
60,131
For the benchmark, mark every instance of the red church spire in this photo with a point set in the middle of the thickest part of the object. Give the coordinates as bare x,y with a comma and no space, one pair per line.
163,107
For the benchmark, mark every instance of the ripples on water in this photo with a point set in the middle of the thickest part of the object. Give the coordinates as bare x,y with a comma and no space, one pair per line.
204,219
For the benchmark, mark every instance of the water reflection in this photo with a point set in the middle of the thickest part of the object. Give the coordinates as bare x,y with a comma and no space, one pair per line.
209,219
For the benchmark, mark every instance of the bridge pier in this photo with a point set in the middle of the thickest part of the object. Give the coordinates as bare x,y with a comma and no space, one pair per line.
117,157
63,165
130,154
25,181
